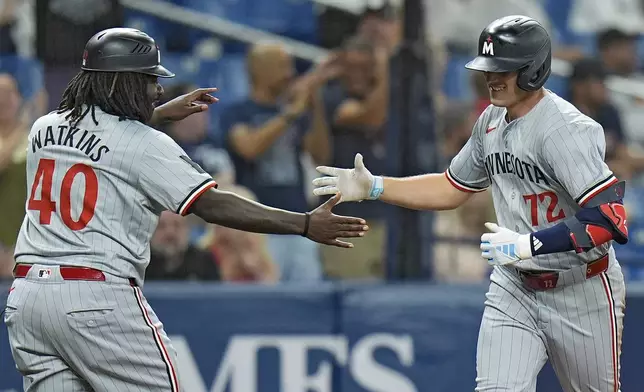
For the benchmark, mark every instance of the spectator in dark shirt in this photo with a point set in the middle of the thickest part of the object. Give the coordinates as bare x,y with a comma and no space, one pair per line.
381,25
589,94
267,134
62,30
357,110
618,55
198,137
618,52
173,257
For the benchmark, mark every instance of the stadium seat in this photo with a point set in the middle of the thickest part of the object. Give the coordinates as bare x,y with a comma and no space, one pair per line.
272,16
209,76
228,74
231,78
28,73
587,42
558,85
456,83
304,21
233,10
631,253
293,18
640,51
558,11
151,25
186,68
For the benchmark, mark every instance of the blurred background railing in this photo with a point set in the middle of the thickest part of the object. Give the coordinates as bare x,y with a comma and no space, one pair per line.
401,61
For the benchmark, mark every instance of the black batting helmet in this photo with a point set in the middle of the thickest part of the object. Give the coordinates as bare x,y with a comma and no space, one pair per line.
515,43
124,50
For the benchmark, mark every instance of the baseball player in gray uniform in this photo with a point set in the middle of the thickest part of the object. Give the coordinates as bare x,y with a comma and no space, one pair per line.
98,179
557,291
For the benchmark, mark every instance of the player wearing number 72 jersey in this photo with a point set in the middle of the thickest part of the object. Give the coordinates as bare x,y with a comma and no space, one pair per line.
557,291
99,178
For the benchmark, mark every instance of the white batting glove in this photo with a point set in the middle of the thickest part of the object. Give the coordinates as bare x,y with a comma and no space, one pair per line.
504,246
355,184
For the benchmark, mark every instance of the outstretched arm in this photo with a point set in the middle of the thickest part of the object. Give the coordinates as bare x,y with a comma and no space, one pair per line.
320,225
230,210
425,192
170,179
449,190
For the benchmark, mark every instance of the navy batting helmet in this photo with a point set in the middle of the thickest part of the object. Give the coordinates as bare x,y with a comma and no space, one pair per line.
515,43
124,50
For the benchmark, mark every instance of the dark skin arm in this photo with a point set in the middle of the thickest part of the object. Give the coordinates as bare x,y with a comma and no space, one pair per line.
183,106
230,210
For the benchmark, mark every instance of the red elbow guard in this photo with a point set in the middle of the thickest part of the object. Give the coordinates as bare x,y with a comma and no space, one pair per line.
616,214
597,230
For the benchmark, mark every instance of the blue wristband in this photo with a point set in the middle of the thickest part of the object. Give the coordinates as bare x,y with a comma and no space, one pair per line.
377,188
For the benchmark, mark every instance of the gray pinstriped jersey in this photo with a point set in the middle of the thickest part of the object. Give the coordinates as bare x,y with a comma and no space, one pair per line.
96,192
542,168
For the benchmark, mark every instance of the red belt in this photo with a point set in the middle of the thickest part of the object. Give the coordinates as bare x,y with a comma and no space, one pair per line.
67,272
548,280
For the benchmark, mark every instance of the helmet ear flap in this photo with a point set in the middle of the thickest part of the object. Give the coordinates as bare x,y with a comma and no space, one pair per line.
528,76
535,75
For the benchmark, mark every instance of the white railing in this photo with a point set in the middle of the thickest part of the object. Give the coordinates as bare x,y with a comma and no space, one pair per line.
223,27
239,32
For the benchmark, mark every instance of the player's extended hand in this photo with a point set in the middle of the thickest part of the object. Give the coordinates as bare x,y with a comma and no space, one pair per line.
355,184
185,105
325,227
503,246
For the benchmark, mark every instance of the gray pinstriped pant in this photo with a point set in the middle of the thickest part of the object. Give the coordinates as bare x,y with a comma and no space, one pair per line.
69,336
577,327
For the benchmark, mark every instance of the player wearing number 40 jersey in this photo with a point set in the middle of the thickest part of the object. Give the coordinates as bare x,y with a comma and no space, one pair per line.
557,291
99,178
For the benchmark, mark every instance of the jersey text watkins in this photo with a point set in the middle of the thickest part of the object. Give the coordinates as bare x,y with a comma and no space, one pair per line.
65,135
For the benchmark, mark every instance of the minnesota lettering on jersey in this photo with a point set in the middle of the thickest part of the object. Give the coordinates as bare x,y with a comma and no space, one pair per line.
68,136
507,163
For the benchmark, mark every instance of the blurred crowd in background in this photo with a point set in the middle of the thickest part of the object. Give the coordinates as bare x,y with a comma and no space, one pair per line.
279,116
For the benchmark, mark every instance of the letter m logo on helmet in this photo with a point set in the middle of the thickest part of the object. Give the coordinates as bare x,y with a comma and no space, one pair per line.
515,43
488,47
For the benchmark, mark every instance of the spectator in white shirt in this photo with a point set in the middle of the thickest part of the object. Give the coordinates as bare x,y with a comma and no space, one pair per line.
458,23
17,27
593,16
617,51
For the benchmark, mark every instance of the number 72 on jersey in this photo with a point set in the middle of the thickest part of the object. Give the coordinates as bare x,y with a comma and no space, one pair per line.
548,200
